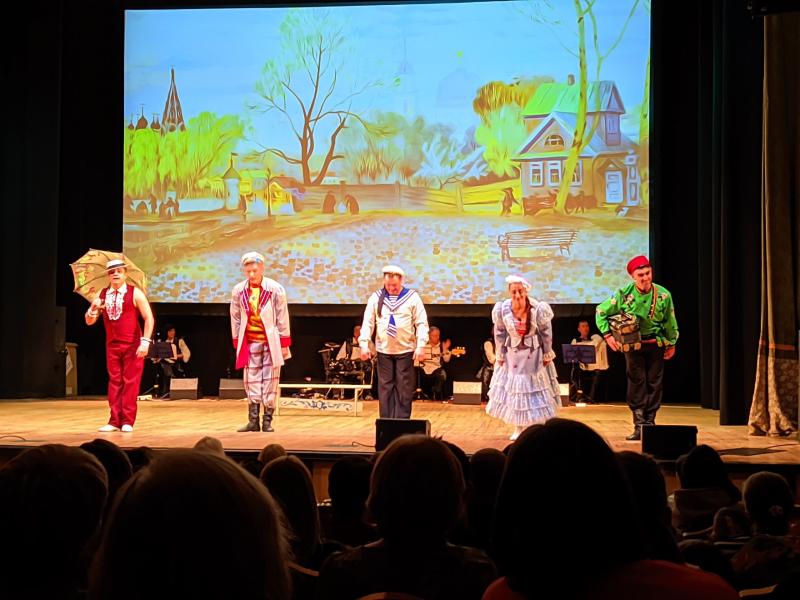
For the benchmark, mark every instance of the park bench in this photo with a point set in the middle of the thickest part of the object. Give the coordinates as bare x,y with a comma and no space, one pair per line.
541,237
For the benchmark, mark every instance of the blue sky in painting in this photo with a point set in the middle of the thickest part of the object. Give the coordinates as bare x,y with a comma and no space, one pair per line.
431,58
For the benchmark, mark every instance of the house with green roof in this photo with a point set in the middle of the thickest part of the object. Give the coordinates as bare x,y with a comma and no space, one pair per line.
606,172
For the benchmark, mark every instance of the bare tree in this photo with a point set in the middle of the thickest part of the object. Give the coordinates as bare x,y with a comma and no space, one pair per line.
304,85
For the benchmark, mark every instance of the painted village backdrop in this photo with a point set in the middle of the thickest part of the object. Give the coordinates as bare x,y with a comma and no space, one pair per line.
462,141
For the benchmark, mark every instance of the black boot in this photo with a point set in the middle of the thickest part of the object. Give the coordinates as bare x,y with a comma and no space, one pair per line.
638,420
252,419
266,423
636,435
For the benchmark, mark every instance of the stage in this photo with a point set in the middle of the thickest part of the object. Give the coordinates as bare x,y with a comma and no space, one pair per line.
180,423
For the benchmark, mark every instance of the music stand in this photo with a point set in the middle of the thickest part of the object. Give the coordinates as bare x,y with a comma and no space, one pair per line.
584,354
158,351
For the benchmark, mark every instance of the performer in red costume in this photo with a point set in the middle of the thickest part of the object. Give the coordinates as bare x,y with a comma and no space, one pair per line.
121,304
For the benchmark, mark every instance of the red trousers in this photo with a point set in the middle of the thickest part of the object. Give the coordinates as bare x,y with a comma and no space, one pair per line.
124,378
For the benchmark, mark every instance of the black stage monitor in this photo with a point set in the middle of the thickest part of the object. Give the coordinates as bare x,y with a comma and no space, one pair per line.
668,442
387,430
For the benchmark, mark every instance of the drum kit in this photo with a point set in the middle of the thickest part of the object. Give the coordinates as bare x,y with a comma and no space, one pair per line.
344,370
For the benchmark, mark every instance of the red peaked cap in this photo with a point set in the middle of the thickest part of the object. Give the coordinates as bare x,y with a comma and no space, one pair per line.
637,262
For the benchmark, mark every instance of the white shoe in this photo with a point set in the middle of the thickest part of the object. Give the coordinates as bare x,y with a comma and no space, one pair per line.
127,428
515,435
107,428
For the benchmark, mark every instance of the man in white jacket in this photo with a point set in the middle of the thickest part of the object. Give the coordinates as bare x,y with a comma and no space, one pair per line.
260,330
397,316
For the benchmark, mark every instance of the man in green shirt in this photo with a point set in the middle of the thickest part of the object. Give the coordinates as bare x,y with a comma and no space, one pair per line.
652,304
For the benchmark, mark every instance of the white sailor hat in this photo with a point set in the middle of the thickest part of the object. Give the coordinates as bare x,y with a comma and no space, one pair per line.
518,279
115,263
393,270
249,257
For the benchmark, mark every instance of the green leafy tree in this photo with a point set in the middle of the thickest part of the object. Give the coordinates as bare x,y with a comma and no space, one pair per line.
172,155
392,149
495,95
141,162
156,162
210,141
501,134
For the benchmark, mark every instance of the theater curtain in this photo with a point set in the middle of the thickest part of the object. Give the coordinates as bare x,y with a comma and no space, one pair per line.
775,403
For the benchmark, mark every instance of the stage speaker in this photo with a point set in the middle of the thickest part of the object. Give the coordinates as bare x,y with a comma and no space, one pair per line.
466,392
563,392
668,442
183,389
387,430
231,389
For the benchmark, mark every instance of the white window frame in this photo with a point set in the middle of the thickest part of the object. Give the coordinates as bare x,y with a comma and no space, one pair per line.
536,166
553,166
577,174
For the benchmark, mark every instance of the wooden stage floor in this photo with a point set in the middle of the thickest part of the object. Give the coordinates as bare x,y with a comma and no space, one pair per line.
180,423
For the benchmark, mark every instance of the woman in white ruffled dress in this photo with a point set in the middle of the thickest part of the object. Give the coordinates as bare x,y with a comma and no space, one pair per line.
524,388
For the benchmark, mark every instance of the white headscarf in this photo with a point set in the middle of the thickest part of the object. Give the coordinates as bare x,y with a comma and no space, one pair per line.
518,279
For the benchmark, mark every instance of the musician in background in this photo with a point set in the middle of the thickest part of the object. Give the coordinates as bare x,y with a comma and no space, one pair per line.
173,367
587,377
431,371
350,348
487,368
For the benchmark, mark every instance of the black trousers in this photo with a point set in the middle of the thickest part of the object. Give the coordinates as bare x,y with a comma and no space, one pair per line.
167,373
645,369
396,381
435,384
589,382
485,375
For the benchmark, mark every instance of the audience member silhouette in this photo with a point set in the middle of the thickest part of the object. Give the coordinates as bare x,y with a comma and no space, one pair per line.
271,451
51,503
116,463
141,457
565,494
193,525
650,495
210,444
705,488
416,496
348,487
486,471
731,524
769,501
289,481
704,555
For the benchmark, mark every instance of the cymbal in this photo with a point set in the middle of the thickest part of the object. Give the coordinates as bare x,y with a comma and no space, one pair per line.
331,345
324,350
